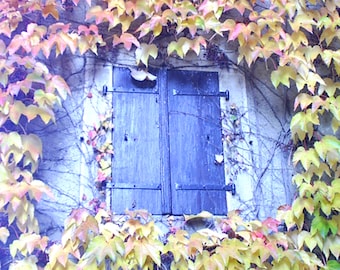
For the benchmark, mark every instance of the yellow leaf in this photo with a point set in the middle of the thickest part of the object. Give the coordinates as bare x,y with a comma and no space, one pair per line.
330,87
16,110
299,38
203,214
304,100
303,20
282,75
312,53
306,157
83,45
328,35
32,144
26,263
45,114
4,233
327,56
332,243
144,52
142,75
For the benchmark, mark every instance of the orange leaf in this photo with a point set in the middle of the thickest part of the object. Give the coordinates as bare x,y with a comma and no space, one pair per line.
50,9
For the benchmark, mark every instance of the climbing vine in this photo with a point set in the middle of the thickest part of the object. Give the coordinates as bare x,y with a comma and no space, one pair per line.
299,40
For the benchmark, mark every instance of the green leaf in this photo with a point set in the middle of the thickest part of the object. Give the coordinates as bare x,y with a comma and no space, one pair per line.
333,265
321,225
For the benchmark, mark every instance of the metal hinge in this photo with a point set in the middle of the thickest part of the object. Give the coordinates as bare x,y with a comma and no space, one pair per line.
133,186
123,90
229,187
225,94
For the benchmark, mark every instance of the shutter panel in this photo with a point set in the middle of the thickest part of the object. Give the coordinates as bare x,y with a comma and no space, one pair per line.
136,164
195,137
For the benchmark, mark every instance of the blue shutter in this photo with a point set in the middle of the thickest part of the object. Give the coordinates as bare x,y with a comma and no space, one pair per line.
165,138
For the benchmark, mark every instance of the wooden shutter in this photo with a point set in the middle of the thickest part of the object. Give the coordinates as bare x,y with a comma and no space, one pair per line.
195,137
165,138
136,164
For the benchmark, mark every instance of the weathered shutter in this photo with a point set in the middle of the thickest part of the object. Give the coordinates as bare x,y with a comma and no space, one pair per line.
166,136
197,183
136,182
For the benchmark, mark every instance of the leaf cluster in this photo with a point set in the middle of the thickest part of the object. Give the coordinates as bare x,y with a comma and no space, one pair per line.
300,39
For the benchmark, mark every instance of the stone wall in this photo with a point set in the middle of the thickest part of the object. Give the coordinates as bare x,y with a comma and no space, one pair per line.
255,127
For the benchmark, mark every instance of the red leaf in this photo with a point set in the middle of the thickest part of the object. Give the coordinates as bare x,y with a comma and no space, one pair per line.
271,224
127,39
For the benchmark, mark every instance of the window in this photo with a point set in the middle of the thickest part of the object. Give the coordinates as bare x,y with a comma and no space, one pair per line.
166,135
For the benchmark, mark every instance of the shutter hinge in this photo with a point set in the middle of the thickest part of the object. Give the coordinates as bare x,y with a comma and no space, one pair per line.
229,187
133,186
225,94
106,90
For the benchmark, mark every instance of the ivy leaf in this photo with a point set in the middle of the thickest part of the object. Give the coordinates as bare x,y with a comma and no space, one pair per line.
16,110
236,31
311,80
127,39
4,233
202,215
50,9
28,263
144,52
306,157
329,87
333,265
302,203
304,100
32,144
302,124
271,224
45,114
332,243
320,224
59,254
282,75
100,248
327,143
183,45
142,75
38,188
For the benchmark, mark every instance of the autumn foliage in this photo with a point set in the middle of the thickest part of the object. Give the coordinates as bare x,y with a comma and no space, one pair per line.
300,39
